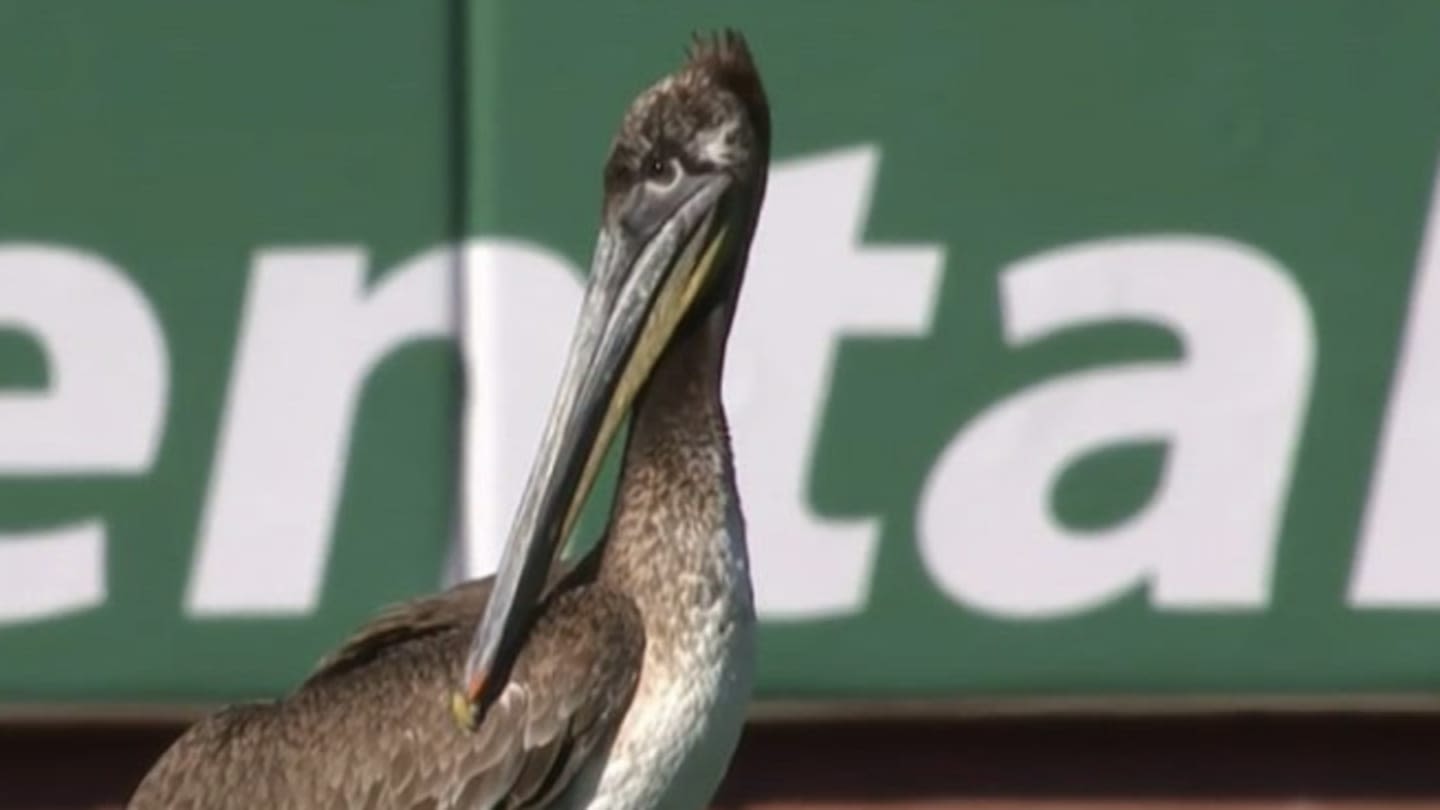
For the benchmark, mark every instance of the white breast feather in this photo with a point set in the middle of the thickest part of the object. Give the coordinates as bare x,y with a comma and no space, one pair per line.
675,743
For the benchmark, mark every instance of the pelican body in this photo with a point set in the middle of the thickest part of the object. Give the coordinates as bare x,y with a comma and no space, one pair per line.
619,680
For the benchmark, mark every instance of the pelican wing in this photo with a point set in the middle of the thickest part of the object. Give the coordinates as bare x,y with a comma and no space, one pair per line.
372,727
404,622
571,686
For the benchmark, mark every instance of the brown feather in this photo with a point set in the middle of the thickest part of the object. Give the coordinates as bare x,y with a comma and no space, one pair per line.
372,727
405,621
725,57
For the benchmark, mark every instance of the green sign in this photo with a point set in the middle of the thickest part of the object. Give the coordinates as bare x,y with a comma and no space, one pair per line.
1086,349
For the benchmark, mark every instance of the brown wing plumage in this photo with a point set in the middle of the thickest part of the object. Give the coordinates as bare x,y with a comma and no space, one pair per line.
372,727
405,622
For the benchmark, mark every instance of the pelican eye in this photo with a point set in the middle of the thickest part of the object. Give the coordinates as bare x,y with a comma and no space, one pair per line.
661,172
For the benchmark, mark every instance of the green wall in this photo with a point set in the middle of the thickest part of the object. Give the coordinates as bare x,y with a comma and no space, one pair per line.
180,144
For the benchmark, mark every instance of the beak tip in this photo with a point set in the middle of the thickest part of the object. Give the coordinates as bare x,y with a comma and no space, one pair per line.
474,686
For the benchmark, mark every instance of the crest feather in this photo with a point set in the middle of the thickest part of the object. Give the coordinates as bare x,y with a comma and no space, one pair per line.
724,57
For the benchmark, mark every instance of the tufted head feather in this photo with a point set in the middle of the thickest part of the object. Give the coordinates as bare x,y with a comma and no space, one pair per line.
725,59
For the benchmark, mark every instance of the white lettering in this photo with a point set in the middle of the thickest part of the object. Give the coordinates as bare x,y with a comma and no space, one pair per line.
1397,562
1230,413
102,412
812,281
312,333
521,302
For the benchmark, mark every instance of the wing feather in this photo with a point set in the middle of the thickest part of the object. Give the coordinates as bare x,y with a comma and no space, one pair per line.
404,622
371,727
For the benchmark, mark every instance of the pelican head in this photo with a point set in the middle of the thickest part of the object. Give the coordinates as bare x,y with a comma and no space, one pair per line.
683,185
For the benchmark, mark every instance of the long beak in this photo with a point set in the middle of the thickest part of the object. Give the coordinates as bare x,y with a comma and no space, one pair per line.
650,263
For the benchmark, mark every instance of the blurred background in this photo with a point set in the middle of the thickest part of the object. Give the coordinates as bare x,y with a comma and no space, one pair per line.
1085,388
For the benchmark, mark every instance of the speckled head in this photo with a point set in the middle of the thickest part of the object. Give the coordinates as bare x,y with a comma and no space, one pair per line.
710,115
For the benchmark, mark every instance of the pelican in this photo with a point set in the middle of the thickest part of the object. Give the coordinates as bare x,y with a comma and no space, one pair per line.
619,680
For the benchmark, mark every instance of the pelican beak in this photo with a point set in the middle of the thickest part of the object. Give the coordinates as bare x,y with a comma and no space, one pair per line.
655,252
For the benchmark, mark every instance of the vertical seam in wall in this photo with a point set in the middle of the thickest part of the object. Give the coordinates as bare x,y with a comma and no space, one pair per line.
472,77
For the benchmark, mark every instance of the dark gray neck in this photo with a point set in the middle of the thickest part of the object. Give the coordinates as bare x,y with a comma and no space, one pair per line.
677,485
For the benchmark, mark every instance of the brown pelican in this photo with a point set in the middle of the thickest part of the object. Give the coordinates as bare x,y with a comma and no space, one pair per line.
619,681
